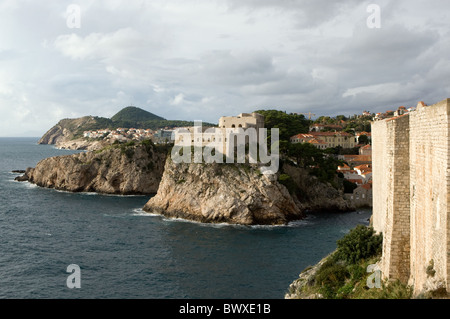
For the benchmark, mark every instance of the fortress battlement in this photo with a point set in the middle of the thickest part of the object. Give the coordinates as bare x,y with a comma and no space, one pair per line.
411,183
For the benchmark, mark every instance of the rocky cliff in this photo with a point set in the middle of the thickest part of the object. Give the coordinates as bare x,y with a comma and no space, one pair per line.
67,133
216,193
117,169
64,130
314,195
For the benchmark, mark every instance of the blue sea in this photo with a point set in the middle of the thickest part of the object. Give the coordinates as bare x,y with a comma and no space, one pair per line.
126,253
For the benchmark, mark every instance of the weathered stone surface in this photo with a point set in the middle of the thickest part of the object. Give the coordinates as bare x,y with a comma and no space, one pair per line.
22,178
65,135
64,130
82,144
316,196
216,193
298,289
114,170
411,179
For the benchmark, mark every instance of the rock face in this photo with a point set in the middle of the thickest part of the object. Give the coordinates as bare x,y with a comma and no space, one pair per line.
66,134
118,169
314,195
64,130
82,144
216,193
298,289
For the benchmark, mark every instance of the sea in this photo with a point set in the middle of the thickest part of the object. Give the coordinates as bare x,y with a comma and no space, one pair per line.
124,253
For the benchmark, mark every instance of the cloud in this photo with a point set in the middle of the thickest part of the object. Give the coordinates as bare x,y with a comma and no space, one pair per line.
178,99
199,60
99,46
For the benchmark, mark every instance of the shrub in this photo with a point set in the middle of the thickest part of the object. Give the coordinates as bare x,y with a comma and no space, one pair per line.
287,181
331,277
360,243
127,150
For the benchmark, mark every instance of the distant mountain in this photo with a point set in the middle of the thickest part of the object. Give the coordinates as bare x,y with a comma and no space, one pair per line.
135,114
129,117
68,129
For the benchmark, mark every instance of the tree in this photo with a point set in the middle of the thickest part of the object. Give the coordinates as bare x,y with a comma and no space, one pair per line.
305,154
363,139
288,124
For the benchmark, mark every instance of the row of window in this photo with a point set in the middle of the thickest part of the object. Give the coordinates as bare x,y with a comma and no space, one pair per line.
233,126
203,140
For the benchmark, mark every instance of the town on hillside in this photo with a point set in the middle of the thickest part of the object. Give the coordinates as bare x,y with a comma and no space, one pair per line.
353,149
353,140
160,136
349,138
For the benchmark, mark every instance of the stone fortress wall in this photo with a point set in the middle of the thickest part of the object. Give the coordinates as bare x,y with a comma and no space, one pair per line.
411,180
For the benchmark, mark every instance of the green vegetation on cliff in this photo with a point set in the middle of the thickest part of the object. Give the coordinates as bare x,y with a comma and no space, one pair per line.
288,124
348,272
129,117
134,114
349,124
135,117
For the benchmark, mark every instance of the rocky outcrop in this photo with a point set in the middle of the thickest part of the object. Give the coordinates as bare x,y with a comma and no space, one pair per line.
82,144
117,169
64,130
222,193
299,288
67,133
314,195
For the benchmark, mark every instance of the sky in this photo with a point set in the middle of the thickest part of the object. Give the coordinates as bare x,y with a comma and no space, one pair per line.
200,60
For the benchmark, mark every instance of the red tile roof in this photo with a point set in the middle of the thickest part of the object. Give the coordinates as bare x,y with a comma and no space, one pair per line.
331,134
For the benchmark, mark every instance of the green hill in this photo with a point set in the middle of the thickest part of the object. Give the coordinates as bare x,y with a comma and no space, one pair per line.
135,117
127,118
135,114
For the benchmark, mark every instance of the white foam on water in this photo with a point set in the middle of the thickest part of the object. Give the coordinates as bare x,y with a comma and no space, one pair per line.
300,223
293,224
212,225
141,212
28,184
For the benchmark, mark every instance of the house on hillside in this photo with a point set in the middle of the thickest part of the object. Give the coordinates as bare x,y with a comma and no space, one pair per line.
325,127
325,140
361,196
366,150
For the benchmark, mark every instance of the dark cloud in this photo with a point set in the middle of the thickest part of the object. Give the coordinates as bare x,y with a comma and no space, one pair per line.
204,59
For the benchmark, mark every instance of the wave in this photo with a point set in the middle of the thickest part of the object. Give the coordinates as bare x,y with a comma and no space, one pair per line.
105,194
75,193
293,224
301,223
27,184
141,212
